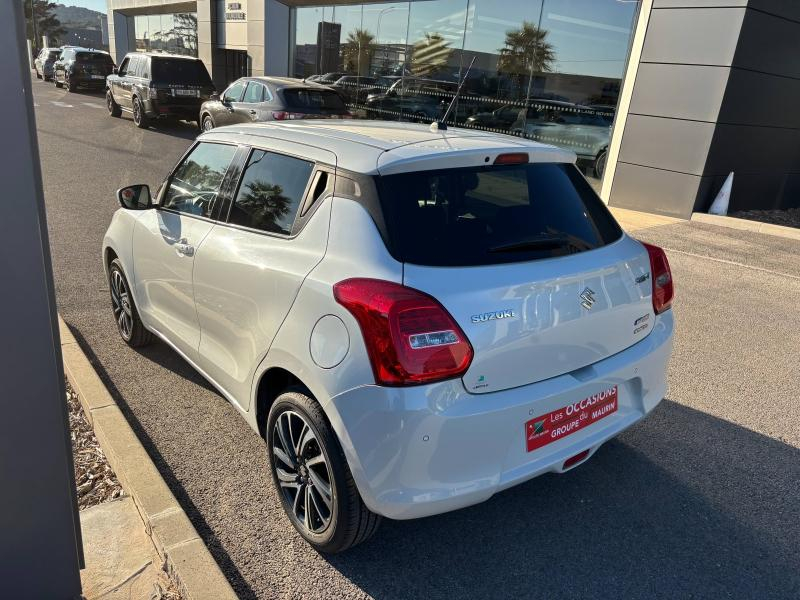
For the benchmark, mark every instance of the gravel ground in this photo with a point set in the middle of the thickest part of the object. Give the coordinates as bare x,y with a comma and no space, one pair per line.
788,218
94,477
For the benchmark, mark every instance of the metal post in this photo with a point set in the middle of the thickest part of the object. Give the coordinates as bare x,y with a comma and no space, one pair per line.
40,545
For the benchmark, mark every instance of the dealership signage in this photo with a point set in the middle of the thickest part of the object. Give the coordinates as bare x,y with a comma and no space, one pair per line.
234,12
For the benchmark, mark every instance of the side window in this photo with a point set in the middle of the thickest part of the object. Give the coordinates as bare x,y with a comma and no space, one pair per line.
194,185
123,68
134,66
234,92
254,93
144,67
270,192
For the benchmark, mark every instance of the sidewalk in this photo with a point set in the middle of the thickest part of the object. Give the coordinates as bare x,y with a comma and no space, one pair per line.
633,220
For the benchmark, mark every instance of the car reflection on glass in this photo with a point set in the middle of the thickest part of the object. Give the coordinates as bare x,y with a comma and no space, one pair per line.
583,130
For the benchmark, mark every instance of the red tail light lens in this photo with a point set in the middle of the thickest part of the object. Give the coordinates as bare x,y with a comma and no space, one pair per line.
660,273
282,115
410,337
512,158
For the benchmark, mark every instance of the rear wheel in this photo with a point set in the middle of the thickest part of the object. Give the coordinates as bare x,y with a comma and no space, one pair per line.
139,118
600,163
55,81
312,478
38,75
129,324
71,86
113,108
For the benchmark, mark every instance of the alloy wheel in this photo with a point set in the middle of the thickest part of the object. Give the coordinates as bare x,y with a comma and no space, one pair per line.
137,112
208,124
302,472
121,302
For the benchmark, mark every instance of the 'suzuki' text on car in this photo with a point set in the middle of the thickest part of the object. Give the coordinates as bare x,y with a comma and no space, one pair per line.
414,320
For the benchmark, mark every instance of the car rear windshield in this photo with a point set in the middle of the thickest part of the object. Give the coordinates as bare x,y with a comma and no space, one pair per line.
53,54
300,98
93,57
494,214
180,71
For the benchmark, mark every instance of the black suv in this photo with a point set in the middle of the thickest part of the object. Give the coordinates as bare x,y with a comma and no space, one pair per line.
82,67
155,85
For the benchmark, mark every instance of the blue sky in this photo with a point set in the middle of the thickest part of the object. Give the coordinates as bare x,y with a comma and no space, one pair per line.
99,5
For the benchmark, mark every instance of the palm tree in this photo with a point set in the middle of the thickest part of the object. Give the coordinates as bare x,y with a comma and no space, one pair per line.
527,51
430,54
265,204
357,51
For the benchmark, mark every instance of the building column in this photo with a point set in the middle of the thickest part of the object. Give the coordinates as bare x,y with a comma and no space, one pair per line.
121,35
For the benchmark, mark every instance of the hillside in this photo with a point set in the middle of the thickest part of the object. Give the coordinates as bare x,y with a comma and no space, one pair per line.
77,16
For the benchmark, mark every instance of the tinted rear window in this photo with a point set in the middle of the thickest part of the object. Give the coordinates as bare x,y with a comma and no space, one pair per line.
490,215
180,71
94,57
313,99
54,54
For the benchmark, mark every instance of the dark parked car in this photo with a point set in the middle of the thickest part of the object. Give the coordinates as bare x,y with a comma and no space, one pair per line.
355,89
43,65
271,99
82,67
412,98
158,85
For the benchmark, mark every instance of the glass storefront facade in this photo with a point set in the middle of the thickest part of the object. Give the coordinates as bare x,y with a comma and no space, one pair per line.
175,33
548,70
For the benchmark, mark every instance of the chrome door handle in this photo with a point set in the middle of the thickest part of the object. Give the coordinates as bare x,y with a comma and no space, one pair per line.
184,249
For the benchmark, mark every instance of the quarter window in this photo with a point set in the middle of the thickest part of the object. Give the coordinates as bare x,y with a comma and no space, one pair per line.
270,192
194,185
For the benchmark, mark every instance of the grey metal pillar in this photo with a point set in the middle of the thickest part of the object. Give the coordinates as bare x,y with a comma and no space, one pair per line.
40,545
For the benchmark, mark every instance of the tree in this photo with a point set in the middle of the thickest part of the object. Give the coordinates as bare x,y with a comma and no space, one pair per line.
265,205
357,51
526,51
430,54
43,22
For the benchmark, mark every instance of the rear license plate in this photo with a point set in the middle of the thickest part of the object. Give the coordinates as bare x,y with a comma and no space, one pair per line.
193,93
565,421
98,76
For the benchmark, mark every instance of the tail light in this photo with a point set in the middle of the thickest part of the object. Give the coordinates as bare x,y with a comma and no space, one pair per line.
282,115
660,273
410,337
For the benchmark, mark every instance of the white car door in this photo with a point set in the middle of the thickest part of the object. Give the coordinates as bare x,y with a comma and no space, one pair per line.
250,269
166,241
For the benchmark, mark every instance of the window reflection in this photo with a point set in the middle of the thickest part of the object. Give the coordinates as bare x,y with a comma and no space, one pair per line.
548,70
173,33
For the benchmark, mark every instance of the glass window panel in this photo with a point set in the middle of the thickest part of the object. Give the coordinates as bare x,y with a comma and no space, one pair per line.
154,31
305,44
270,192
195,184
254,93
389,25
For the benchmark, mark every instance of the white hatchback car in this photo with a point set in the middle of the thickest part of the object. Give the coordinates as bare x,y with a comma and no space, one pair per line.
413,320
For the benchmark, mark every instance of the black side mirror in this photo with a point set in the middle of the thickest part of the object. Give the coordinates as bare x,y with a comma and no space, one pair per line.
135,197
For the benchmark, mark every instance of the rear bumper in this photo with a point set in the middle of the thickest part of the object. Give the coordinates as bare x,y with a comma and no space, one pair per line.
87,81
155,108
426,450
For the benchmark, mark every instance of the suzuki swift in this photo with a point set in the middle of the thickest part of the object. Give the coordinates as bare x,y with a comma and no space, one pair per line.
413,319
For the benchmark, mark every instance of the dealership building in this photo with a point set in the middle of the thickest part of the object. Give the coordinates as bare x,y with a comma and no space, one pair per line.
660,99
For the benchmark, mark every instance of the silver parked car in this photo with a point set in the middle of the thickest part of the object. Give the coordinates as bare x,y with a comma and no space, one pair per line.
413,320
43,65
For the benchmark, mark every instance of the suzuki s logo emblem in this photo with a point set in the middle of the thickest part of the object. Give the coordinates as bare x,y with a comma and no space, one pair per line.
587,298
492,316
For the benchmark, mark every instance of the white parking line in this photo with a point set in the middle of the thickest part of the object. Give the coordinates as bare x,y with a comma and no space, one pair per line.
92,104
61,104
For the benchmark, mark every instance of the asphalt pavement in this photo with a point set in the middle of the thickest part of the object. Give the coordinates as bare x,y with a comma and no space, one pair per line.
701,500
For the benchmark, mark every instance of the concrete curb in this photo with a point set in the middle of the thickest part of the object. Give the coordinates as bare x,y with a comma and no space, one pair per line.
747,225
173,535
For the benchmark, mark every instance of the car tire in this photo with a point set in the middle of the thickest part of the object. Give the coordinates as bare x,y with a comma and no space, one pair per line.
56,83
312,478
139,118
38,75
600,163
70,86
207,123
129,325
113,108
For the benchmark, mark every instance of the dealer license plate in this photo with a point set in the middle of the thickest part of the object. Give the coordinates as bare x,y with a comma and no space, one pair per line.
569,419
186,93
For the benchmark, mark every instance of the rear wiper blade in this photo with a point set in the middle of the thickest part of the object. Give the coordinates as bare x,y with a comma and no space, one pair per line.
544,242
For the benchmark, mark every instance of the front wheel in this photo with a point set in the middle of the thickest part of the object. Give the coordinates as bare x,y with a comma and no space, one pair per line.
600,164
207,123
113,108
129,324
139,118
55,82
38,75
312,477
70,85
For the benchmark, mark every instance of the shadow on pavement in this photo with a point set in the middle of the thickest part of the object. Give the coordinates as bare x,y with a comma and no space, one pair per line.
168,358
721,520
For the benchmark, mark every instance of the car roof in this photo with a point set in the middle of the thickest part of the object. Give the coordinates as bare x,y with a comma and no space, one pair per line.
81,49
162,55
286,82
372,147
